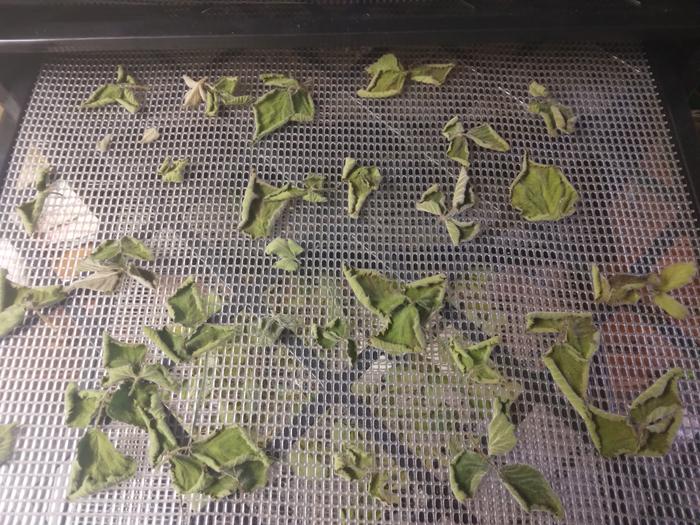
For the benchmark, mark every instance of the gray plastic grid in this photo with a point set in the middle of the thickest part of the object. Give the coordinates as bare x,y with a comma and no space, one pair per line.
300,401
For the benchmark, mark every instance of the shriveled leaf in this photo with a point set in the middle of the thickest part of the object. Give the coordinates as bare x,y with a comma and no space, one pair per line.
427,294
170,342
11,317
116,354
287,250
189,476
173,170
104,143
158,374
551,322
434,74
106,251
613,434
196,93
262,204
98,465
501,430
463,196
30,212
187,305
146,277
388,78
121,92
432,201
150,135
8,433
208,337
104,281
461,231
124,402
677,275
380,489
81,406
160,436
537,90
573,367
352,463
379,295
530,489
272,111
279,81
403,333
487,137
671,306
542,193
474,360
231,451
467,469
314,186
361,182
458,150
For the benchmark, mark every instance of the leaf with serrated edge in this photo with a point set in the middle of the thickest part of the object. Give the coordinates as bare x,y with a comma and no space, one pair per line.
487,137
501,431
530,489
467,469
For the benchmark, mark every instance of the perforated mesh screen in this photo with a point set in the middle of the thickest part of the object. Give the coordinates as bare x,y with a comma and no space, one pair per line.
300,401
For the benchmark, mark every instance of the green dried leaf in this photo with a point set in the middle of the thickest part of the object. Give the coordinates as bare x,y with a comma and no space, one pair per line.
187,305
231,451
289,102
170,342
221,93
150,135
11,317
677,275
97,466
158,374
146,277
380,489
208,337
105,280
671,306
530,489
613,433
487,137
571,367
189,475
116,354
361,182
314,185
287,250
556,116
432,201
501,431
542,193
388,78
81,406
160,437
121,92
379,295
461,231
106,251
30,212
16,300
458,150
463,197
538,90
336,332
7,441
474,360
352,463
467,469
173,170
658,414
403,333
551,322
427,294
434,74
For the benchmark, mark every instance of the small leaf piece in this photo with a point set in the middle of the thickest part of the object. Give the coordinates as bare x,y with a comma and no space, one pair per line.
208,337
231,451
474,360
121,92
463,196
30,211
287,250
461,231
467,469
556,116
187,305
380,489
116,354
434,74
150,135
677,275
97,466
542,193
432,201
458,149
169,342
314,186
487,137
388,77
188,474
352,463
104,143
333,333
501,431
361,182
530,489
378,294
81,406
173,170
288,102
7,441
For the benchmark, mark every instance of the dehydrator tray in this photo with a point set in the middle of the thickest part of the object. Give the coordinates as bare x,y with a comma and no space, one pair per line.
300,401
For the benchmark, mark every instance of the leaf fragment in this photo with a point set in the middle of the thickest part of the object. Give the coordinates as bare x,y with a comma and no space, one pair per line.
388,77
501,430
98,465
542,192
30,211
474,360
557,117
530,489
461,231
188,306
434,74
150,135
121,92
208,337
380,489
287,251
289,101
8,436
361,182
352,462
467,469
336,332
170,342
104,143
81,406
485,136
463,196
432,201
173,170
458,149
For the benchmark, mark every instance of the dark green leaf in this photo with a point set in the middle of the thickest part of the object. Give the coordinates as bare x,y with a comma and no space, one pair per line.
403,333
467,469
542,193
97,466
116,354
612,435
530,489
81,406
187,305
361,182
352,463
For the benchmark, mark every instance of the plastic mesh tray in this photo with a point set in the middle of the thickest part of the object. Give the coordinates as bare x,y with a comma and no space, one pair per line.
635,214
